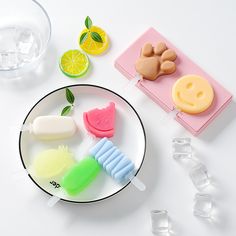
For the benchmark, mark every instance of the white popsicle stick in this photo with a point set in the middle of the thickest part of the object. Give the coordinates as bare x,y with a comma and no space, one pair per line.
88,141
137,183
19,175
132,82
53,201
168,117
26,128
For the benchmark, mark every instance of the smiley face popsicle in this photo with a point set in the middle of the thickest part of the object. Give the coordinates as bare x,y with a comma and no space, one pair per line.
192,94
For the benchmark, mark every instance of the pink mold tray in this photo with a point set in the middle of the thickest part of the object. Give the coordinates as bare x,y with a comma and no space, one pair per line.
160,89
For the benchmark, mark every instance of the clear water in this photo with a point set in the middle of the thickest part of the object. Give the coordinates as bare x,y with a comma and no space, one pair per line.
18,46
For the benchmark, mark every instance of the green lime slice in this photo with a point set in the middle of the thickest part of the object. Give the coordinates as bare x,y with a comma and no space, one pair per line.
74,63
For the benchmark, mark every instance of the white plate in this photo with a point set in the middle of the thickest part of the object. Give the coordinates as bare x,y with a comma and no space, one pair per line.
129,137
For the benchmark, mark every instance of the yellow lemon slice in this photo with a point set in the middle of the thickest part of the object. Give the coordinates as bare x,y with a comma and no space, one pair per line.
74,63
91,46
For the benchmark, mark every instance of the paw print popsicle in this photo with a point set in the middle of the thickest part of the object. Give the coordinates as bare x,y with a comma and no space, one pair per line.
155,61
115,163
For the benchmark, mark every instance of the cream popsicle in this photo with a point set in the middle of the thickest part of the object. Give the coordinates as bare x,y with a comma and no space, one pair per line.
52,127
115,163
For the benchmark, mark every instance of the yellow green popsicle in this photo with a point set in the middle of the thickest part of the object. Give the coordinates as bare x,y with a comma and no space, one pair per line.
52,163
80,176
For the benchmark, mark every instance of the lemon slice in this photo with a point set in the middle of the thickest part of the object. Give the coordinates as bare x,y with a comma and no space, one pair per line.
90,46
74,63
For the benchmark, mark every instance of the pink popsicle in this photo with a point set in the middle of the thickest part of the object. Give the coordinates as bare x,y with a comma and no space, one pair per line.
101,122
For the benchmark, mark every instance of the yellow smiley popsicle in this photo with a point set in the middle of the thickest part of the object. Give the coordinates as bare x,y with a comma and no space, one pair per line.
192,94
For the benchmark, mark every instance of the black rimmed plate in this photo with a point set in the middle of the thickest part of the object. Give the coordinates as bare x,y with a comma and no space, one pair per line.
129,137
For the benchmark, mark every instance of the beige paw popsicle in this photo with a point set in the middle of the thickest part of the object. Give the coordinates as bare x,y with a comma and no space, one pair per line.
155,61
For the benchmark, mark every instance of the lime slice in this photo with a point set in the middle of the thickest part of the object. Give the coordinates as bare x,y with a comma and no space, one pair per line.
74,63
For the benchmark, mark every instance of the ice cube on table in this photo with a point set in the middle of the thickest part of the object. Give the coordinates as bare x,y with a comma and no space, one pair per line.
203,205
160,222
199,176
181,148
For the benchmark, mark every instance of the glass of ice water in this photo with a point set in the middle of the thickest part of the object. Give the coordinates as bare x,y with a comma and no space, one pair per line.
25,31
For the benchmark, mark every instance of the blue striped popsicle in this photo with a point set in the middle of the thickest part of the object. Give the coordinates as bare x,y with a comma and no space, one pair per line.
115,163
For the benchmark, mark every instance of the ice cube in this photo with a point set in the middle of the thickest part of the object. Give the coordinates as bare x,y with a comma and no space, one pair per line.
27,45
8,60
199,176
203,205
25,41
7,39
182,148
160,222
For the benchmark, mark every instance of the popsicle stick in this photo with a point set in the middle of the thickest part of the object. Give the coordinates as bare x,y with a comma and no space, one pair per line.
20,172
26,127
19,175
137,183
87,143
167,117
53,201
132,82
15,129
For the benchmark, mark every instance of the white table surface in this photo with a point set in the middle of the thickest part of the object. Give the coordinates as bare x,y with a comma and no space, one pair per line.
206,32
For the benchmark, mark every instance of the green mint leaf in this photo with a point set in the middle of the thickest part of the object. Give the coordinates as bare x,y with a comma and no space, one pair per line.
70,96
88,22
66,111
83,37
96,37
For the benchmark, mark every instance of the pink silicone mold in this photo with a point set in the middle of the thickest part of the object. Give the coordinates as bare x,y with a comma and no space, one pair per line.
160,89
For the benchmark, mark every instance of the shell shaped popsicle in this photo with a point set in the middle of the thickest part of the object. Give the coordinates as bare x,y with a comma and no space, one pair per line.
101,122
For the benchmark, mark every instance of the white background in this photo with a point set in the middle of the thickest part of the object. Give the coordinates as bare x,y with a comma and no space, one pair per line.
206,32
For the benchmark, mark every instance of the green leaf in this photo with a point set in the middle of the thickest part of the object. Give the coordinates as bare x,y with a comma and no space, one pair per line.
96,37
88,22
70,96
83,37
66,111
